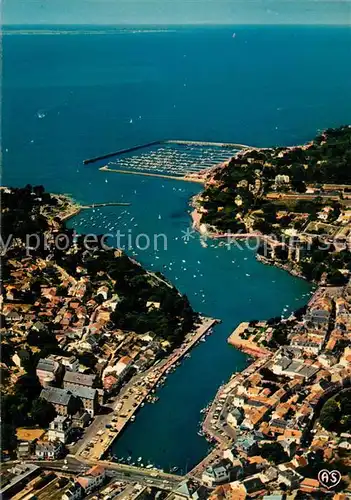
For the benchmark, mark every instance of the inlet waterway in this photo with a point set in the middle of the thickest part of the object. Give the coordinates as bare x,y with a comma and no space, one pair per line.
68,98
222,282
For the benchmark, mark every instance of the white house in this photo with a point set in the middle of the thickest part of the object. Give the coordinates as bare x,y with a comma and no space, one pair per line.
215,475
60,429
48,449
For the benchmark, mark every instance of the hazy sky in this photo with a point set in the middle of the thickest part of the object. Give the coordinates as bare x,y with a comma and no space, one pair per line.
176,11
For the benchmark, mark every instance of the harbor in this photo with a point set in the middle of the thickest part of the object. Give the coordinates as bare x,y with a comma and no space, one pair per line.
140,390
171,159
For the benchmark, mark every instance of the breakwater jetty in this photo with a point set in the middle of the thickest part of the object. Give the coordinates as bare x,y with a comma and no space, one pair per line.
76,209
108,204
119,152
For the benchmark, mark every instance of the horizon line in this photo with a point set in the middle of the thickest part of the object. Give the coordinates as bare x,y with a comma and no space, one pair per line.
4,25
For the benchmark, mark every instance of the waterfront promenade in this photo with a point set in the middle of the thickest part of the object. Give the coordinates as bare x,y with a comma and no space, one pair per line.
98,438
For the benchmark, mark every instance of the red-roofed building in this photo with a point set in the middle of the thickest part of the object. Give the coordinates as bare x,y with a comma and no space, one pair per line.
309,485
123,366
92,479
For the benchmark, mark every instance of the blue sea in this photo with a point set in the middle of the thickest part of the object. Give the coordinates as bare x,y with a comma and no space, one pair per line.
67,97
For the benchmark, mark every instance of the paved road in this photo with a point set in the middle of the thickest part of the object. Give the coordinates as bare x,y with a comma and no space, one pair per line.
71,465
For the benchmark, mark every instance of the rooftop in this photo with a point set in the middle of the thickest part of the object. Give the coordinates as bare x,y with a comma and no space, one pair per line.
82,392
79,378
55,395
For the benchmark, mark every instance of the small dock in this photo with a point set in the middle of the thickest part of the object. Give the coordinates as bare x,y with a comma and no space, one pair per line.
119,152
108,204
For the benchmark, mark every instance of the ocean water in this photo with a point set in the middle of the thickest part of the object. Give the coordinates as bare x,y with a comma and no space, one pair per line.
69,97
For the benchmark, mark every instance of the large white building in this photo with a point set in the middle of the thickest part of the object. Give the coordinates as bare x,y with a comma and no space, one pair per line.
60,429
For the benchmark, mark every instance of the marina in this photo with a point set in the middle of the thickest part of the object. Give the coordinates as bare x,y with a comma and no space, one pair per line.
177,160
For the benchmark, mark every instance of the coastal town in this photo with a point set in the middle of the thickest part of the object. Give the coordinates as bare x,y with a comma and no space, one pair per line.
277,423
88,336
73,365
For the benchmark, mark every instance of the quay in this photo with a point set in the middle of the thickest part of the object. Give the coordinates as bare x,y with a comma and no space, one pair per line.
133,396
149,174
246,346
212,457
75,211
213,428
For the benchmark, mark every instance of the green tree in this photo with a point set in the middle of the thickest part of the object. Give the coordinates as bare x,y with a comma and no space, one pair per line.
274,452
42,412
330,415
8,437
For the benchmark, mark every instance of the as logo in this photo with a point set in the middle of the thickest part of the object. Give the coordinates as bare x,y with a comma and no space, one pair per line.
329,479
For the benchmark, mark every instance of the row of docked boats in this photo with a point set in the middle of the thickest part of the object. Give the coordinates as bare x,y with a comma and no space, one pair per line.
172,160
139,463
